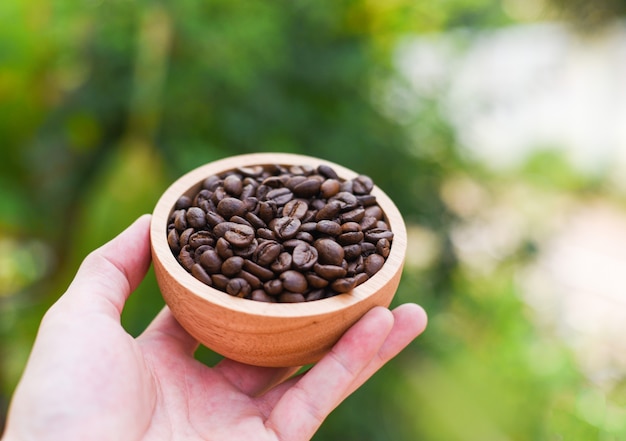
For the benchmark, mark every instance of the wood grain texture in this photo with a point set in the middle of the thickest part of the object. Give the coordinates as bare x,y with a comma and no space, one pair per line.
258,333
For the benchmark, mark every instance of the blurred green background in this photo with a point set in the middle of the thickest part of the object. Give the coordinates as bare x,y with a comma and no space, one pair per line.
103,103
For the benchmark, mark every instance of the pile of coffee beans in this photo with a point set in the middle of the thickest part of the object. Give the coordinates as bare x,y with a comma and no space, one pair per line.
279,233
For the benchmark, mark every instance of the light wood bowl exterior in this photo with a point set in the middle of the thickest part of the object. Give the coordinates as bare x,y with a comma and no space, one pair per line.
258,333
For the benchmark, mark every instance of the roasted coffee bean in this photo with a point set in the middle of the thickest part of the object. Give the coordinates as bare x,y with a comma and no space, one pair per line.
308,188
266,233
316,281
232,266
291,297
261,272
199,273
329,252
373,263
196,217
238,287
329,188
211,261
200,238
224,248
347,200
255,221
280,195
233,185
267,210
183,202
180,220
261,296
213,219
294,281
184,237
267,252
229,207
240,220
254,281
185,257
366,200
329,227
286,227
316,294
304,256
173,240
306,237
254,171
308,227
368,222
367,248
360,278
352,251
296,208
282,263
362,185
327,172
273,287
354,215
383,247
353,237
343,285
237,234
329,272
375,234
220,281
246,251
374,211
329,211
211,182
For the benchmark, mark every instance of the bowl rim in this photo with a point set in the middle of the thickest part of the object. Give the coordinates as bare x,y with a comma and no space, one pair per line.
161,250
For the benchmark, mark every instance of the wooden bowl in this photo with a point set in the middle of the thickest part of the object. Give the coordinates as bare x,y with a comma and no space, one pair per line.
258,333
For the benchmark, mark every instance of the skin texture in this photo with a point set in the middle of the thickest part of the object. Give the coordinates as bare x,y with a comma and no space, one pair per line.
88,379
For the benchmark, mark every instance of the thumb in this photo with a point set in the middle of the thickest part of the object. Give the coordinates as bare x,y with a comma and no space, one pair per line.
110,273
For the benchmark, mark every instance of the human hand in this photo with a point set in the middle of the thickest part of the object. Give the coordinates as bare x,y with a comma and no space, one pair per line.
87,379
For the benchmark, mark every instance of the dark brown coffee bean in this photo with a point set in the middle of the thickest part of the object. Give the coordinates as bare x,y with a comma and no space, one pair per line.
233,185
362,185
296,208
246,251
213,219
347,201
316,294
211,182
200,250
283,263
185,257
220,281
274,182
373,263
184,237
294,281
308,227
247,192
286,227
229,207
224,248
375,234
329,211
366,200
173,239
367,248
329,252
343,285
211,261
232,266
273,287
180,220
329,188
255,221
280,195
360,278
254,281
329,272
308,188
304,236
383,247
266,233
183,202
261,296
240,220
354,215
237,234
267,252
304,256
238,287
196,217
199,273
267,210
218,195
329,227
368,222
327,172
200,238
316,281
253,171
352,251
291,297
374,211
258,270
